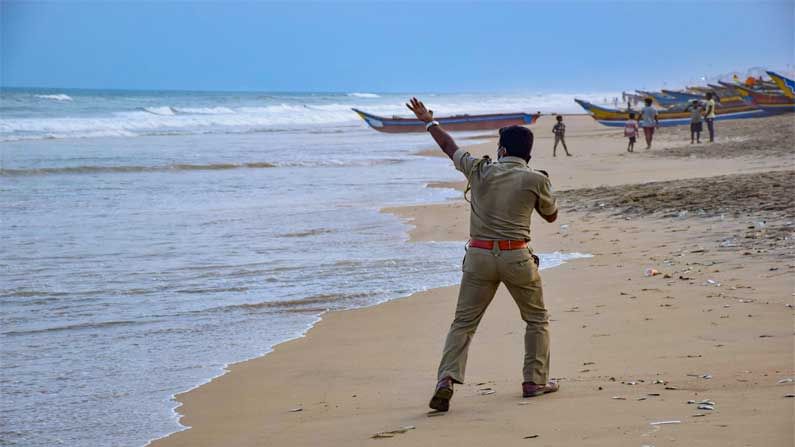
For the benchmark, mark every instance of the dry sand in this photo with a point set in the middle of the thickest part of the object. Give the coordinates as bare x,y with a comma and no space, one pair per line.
630,350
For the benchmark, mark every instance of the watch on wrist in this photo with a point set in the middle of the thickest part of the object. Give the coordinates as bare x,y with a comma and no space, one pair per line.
431,124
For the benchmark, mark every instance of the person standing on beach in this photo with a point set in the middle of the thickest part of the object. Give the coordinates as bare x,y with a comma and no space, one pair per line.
631,131
695,121
559,129
504,194
709,116
649,121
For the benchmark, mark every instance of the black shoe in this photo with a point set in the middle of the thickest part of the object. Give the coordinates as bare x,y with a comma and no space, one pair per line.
441,397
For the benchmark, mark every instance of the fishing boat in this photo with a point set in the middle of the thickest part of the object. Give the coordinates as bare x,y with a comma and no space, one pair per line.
452,123
617,118
660,99
682,96
772,102
786,85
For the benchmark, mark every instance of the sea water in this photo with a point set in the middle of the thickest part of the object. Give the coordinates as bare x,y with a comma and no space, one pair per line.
151,238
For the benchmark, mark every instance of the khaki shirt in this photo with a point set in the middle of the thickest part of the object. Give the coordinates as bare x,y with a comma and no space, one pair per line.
711,108
504,195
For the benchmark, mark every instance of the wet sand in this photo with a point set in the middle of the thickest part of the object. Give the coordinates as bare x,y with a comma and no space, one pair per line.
715,324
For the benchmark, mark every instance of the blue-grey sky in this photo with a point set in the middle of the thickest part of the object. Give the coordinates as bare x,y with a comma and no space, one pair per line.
388,47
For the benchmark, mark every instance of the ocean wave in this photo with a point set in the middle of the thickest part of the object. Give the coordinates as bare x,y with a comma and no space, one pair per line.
163,111
306,233
175,120
294,113
58,97
126,169
175,167
171,111
204,110
322,302
77,326
363,95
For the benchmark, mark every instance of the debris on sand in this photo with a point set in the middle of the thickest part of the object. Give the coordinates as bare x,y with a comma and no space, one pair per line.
295,410
665,422
530,437
392,433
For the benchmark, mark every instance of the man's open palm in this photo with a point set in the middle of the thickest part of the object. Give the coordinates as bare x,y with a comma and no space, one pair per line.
420,111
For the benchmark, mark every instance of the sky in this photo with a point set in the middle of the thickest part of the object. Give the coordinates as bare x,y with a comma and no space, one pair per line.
531,46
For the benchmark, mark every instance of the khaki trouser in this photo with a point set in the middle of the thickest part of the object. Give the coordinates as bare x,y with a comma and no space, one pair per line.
483,272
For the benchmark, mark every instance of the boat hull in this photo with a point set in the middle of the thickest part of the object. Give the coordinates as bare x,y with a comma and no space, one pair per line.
453,123
771,104
670,122
618,118
778,108
786,85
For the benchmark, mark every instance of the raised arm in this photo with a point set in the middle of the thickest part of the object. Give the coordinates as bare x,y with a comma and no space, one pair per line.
442,138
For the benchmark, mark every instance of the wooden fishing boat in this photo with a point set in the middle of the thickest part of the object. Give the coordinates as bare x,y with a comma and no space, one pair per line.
786,85
774,103
744,91
660,99
617,118
682,96
452,123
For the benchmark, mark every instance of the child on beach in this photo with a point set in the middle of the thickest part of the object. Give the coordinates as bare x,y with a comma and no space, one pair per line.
695,121
559,130
631,132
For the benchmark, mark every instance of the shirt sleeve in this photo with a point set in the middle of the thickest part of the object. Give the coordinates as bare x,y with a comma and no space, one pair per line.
463,161
547,204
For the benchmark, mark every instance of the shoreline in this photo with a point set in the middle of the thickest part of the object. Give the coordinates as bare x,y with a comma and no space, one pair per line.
227,368
448,220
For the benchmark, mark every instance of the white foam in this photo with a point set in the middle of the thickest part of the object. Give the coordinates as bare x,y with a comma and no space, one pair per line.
58,97
205,117
164,111
363,95
204,110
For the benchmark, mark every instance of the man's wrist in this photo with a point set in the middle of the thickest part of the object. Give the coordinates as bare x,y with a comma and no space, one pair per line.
430,124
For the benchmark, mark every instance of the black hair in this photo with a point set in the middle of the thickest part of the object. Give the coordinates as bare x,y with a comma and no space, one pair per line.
709,95
559,117
648,101
631,115
517,141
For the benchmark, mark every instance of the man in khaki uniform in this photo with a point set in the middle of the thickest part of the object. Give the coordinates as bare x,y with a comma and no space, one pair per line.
503,196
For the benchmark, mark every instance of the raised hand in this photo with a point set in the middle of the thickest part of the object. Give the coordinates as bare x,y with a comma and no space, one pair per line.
420,111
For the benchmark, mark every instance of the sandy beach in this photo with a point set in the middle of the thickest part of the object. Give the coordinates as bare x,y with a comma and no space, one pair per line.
630,350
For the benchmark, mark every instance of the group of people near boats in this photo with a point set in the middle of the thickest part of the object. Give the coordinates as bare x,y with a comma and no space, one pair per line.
648,120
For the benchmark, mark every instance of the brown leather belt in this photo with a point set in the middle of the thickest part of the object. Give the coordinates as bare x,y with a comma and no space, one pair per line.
504,245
